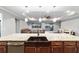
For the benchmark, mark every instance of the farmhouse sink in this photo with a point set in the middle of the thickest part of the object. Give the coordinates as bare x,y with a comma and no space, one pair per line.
37,38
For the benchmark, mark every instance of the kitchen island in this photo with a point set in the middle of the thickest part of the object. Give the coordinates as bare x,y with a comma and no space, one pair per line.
57,43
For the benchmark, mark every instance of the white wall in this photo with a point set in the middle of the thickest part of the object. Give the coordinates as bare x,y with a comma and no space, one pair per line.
71,25
7,23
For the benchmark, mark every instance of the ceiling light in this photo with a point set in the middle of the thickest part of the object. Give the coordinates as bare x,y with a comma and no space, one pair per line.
26,20
72,13
69,13
40,19
55,19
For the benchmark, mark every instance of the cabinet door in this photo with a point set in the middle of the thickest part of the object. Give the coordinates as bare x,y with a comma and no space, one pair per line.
77,49
44,49
70,49
78,46
57,49
30,49
2,49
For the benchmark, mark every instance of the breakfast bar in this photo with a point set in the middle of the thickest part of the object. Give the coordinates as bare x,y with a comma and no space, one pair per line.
44,43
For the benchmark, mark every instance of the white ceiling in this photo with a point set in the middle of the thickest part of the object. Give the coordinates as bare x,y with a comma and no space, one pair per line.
37,12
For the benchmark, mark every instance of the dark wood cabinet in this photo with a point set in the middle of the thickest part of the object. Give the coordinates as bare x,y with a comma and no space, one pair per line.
3,47
44,49
37,47
64,47
41,47
30,49
70,47
37,50
57,46
57,49
77,47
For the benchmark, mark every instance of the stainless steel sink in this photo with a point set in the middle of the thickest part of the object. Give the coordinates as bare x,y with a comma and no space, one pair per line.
37,38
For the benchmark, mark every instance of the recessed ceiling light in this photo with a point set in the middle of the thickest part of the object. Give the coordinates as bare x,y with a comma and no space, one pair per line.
72,13
69,13
40,19
26,20
55,19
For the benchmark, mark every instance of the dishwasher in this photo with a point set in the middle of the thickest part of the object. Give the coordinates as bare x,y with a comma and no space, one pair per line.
15,47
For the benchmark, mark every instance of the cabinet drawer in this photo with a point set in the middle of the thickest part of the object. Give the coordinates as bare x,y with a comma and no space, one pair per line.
2,43
56,43
70,43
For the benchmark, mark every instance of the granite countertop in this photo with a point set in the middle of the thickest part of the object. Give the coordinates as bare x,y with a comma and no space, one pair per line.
50,37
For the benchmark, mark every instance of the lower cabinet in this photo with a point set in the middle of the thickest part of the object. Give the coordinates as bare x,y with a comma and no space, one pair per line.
56,46
57,49
70,49
44,49
64,47
37,47
29,49
3,49
77,49
40,47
